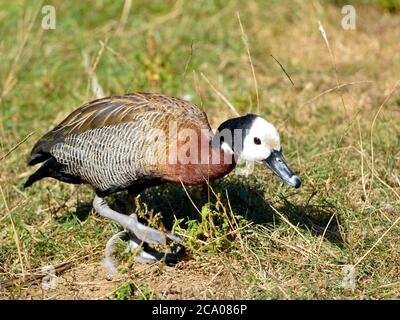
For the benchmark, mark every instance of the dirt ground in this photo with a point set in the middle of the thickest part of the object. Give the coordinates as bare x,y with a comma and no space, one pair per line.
187,280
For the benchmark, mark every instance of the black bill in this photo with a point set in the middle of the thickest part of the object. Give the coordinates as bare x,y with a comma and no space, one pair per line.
276,162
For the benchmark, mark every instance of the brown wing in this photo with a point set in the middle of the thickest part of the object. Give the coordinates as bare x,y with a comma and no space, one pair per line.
116,110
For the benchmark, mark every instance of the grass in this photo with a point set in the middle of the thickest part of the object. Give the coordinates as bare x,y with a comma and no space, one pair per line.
250,237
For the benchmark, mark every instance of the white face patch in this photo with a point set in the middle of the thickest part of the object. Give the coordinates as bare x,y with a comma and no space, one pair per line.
261,139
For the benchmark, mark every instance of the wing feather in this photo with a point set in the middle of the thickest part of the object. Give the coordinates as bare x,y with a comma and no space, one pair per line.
114,110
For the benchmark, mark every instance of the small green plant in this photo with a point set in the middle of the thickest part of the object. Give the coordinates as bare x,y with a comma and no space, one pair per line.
144,292
124,292
129,290
216,227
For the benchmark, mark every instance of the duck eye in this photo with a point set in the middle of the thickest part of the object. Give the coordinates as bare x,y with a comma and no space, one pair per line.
257,140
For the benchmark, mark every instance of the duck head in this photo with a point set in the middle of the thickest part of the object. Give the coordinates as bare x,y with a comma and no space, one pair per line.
254,139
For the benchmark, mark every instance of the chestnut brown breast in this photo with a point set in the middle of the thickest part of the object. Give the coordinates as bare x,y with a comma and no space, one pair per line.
196,161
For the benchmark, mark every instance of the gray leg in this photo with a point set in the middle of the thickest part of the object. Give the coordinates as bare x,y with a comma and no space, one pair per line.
131,223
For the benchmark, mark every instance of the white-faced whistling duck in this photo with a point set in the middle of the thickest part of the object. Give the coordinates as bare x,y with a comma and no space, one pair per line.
136,141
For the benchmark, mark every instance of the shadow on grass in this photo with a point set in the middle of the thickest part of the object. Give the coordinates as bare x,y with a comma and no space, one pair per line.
319,220
245,199
81,212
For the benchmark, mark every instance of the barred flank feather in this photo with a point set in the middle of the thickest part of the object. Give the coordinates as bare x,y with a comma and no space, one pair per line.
111,143
104,157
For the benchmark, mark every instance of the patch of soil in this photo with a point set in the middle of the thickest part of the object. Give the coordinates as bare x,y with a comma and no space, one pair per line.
211,279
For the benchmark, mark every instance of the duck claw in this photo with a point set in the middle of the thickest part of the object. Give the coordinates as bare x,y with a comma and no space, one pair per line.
149,235
152,256
174,237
